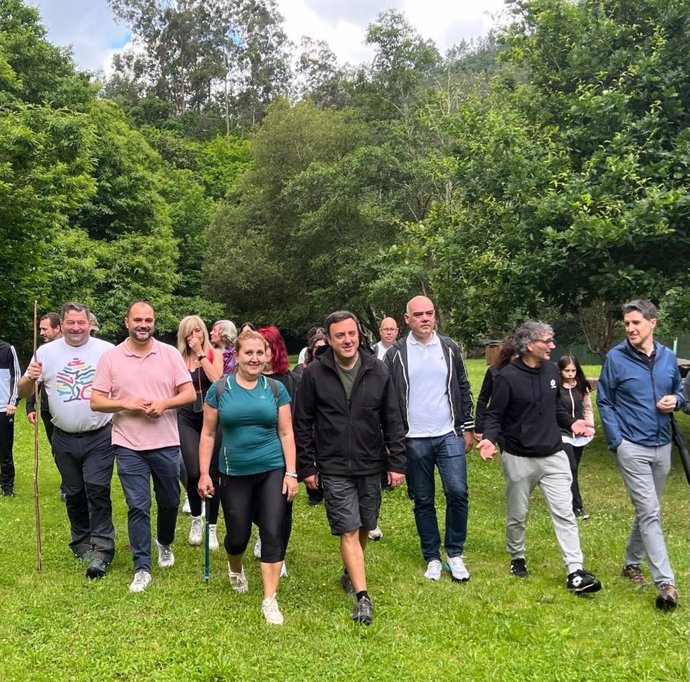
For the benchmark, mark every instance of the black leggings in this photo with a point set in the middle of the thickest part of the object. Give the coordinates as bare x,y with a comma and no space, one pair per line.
574,457
262,493
189,424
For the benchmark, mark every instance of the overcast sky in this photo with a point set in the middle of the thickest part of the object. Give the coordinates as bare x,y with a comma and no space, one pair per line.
88,25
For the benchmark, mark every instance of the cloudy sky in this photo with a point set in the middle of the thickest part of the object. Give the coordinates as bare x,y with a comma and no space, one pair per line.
88,25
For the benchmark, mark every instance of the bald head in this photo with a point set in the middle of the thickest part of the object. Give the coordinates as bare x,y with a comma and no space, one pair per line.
420,317
388,331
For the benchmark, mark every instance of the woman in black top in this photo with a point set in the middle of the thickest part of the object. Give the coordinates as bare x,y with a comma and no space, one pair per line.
204,367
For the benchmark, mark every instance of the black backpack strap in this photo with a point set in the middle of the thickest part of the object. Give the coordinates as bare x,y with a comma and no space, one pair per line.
221,385
274,389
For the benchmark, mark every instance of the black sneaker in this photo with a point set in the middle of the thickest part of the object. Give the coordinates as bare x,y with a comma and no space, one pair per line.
347,584
582,582
518,568
8,492
364,611
97,568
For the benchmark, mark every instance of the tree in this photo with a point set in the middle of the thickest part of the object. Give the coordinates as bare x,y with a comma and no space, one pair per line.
570,186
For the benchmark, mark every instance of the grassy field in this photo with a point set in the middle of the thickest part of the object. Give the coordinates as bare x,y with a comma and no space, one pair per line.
59,626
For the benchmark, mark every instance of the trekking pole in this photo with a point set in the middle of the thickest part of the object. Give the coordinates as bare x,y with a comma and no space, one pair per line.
37,508
207,552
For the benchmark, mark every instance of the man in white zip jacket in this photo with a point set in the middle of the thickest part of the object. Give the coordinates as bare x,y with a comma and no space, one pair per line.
436,404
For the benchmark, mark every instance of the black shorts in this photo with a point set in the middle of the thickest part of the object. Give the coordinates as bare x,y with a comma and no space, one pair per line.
352,502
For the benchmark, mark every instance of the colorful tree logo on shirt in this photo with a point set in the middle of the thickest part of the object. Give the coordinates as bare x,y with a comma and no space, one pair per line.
74,381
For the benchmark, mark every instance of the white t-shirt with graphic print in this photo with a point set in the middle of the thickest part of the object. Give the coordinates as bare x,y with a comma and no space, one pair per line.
67,374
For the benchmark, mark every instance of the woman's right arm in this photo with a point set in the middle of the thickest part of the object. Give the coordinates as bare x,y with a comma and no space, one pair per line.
208,437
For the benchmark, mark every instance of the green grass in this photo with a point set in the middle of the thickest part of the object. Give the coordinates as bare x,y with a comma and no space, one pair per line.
59,626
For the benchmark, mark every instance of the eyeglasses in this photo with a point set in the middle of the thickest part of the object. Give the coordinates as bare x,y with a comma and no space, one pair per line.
547,342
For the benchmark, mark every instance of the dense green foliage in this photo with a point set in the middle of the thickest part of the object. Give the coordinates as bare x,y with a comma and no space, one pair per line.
59,626
542,170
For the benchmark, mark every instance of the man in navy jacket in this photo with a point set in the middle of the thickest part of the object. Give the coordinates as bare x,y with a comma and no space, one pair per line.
639,388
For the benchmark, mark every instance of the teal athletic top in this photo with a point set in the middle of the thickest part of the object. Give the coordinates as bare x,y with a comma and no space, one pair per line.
248,418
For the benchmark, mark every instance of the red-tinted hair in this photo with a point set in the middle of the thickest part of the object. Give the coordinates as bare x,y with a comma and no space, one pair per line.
276,343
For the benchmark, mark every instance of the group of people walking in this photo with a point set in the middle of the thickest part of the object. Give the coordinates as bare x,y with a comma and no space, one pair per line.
224,413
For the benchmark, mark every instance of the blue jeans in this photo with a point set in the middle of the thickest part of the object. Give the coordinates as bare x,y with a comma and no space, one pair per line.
448,454
135,469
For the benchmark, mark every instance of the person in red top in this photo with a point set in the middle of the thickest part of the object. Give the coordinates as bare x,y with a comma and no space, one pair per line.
143,382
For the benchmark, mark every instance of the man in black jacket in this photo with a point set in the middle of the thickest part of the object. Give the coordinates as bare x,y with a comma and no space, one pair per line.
436,404
525,415
348,430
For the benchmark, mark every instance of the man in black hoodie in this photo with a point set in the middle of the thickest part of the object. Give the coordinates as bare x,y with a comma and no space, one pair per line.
348,431
524,416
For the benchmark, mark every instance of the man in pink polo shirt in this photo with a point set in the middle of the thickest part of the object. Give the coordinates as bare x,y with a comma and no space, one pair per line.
143,382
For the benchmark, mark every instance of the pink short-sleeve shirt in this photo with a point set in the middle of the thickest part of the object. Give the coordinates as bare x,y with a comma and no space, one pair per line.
155,376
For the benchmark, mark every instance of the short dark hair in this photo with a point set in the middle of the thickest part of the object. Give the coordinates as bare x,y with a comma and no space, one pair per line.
641,305
53,318
76,307
137,302
340,316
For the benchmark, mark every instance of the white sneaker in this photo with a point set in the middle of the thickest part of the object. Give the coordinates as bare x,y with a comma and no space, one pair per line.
186,509
283,570
257,549
238,581
272,613
196,534
166,558
433,570
458,571
375,534
212,537
142,579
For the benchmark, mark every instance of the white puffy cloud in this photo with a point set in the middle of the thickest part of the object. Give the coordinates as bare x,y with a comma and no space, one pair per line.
89,28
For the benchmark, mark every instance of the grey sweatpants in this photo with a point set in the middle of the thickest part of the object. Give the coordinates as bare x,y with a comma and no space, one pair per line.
644,472
552,475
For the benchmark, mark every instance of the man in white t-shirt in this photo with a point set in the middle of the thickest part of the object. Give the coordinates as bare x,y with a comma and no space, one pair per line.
388,333
81,438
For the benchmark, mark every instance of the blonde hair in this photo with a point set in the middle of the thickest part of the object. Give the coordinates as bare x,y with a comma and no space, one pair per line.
187,325
249,335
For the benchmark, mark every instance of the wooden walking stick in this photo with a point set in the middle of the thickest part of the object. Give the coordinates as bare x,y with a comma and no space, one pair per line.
37,508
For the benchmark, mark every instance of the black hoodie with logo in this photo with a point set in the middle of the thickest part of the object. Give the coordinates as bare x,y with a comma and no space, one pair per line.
525,415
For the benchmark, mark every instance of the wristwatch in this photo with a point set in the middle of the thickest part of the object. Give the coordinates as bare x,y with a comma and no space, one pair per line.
201,357
291,474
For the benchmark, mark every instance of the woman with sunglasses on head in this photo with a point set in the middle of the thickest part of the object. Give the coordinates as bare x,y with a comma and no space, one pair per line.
204,367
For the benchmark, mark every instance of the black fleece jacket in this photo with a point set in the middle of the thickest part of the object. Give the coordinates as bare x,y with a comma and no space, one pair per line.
361,438
525,412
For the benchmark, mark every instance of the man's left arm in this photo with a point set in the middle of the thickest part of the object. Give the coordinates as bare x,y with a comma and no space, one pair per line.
393,435
466,398
678,391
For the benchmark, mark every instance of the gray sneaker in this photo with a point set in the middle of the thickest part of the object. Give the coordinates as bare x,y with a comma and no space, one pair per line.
346,583
96,569
142,579
166,558
364,611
